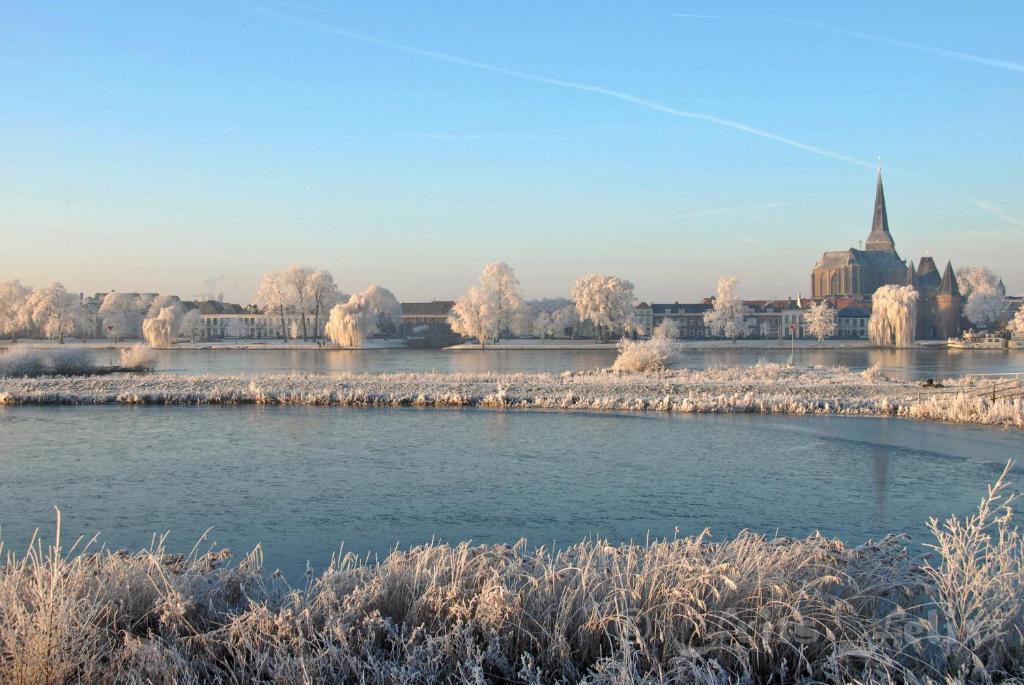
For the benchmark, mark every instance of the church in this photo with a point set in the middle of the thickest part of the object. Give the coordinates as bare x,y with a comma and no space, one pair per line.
853,275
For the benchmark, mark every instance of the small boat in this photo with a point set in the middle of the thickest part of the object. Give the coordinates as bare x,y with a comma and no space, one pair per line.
982,341
1015,343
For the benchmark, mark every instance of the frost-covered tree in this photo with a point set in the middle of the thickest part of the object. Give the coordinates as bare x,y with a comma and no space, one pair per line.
984,294
668,329
122,315
1016,324
13,296
162,329
163,301
322,295
606,301
820,320
728,316
272,298
498,281
297,290
473,316
973,279
235,327
985,308
491,308
372,311
551,317
296,281
55,311
893,316
191,325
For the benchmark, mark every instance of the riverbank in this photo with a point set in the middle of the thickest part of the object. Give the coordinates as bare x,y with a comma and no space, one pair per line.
682,345
239,345
759,389
750,609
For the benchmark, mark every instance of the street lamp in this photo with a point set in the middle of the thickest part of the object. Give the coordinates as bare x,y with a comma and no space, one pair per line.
792,342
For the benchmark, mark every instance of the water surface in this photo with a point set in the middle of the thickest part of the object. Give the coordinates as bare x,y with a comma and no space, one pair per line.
911,364
301,480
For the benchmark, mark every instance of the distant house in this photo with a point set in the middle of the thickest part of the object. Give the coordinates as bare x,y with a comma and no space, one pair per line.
426,323
688,317
643,317
853,322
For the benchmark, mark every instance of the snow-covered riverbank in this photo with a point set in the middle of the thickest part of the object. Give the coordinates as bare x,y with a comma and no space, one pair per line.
521,344
759,389
240,344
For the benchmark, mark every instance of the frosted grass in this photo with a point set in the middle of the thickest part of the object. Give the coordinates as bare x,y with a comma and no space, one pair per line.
750,609
759,389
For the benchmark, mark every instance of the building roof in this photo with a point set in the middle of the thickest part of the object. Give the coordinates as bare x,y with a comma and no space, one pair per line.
876,259
853,312
879,238
948,285
215,307
928,277
435,308
677,308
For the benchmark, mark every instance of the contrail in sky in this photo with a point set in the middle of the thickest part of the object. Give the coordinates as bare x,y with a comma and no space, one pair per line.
573,85
998,212
942,52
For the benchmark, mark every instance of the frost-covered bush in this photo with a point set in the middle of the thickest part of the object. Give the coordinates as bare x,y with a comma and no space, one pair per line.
24,361
750,609
645,355
667,329
138,357
20,360
69,361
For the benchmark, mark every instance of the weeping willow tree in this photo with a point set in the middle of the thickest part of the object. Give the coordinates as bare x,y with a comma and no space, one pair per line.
160,330
893,316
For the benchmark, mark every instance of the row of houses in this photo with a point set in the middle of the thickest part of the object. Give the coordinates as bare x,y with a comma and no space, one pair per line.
426,323
769,319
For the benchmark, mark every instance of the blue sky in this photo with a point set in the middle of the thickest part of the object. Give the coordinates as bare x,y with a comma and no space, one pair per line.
187,147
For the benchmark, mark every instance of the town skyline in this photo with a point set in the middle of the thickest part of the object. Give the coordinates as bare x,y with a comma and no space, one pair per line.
189,149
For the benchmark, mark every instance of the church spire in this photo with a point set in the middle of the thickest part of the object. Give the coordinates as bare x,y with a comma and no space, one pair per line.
948,285
880,238
911,275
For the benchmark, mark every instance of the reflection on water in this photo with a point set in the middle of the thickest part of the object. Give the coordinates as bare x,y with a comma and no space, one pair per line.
879,473
303,479
914,363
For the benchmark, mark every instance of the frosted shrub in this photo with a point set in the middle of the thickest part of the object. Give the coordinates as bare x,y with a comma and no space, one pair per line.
645,355
69,361
138,357
667,329
23,361
19,360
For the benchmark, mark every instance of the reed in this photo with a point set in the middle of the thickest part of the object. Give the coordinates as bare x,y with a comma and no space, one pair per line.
748,609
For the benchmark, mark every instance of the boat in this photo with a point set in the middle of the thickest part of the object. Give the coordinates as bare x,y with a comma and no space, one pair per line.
1015,343
978,341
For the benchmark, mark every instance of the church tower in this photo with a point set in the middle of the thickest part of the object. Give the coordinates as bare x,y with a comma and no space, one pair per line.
879,239
948,305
